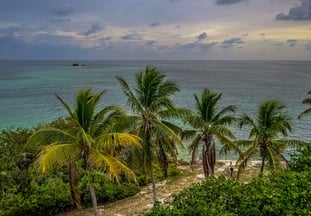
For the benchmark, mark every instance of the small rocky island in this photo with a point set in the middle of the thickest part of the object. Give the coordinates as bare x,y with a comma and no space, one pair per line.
77,65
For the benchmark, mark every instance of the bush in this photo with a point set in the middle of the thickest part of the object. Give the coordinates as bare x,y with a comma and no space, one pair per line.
301,160
287,193
49,198
106,189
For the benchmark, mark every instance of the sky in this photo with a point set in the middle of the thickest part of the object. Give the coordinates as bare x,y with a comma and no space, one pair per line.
156,29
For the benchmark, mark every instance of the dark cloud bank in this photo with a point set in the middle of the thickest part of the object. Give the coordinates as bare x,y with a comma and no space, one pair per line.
301,12
226,2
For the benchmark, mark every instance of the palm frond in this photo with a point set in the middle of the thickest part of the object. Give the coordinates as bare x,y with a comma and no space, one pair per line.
221,129
245,157
67,107
228,145
56,155
187,134
50,135
226,119
175,113
245,120
110,165
244,143
273,161
109,141
307,101
305,112
136,105
195,143
106,119
164,130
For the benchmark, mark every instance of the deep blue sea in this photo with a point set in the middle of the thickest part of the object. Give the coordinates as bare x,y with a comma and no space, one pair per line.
27,88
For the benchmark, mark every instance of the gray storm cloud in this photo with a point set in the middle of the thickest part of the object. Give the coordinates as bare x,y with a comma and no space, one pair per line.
61,11
291,42
154,24
231,42
301,12
95,27
226,2
202,36
133,36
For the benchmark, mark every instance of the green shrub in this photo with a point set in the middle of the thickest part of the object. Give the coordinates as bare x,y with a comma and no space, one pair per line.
286,193
301,160
106,189
174,171
48,198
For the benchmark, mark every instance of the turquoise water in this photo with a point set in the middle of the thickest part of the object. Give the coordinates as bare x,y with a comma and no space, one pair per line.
27,88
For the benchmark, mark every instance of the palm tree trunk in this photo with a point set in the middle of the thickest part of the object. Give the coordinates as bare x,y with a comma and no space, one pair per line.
211,158
262,165
92,191
149,162
154,188
204,160
74,187
162,160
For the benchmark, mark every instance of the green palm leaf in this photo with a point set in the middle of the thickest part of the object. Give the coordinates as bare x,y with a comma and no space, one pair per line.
110,165
56,155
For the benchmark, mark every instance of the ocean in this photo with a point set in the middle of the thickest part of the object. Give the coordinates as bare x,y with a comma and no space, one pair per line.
28,88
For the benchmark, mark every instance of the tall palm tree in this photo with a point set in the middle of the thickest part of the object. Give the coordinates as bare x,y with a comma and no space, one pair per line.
167,148
209,124
151,103
306,101
264,141
89,139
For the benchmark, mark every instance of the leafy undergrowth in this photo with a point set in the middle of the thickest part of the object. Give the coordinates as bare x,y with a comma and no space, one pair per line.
141,203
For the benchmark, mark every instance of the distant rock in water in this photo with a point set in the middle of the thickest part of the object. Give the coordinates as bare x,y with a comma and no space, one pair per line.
76,64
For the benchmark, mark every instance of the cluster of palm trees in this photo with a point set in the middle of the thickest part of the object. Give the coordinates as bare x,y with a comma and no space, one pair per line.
93,139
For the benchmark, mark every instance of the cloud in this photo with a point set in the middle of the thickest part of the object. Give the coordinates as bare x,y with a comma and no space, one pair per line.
301,12
60,20
95,28
154,24
202,36
291,42
62,11
150,43
226,2
132,36
106,38
231,42
195,45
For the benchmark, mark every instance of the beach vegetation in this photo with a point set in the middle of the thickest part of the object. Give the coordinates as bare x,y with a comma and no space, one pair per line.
90,140
267,136
211,123
306,101
152,106
283,193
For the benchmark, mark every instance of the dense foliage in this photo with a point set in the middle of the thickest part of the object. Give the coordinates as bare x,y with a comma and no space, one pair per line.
24,191
284,193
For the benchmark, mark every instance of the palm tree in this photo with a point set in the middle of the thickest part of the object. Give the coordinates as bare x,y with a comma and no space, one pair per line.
151,103
167,147
89,139
308,102
210,124
264,141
